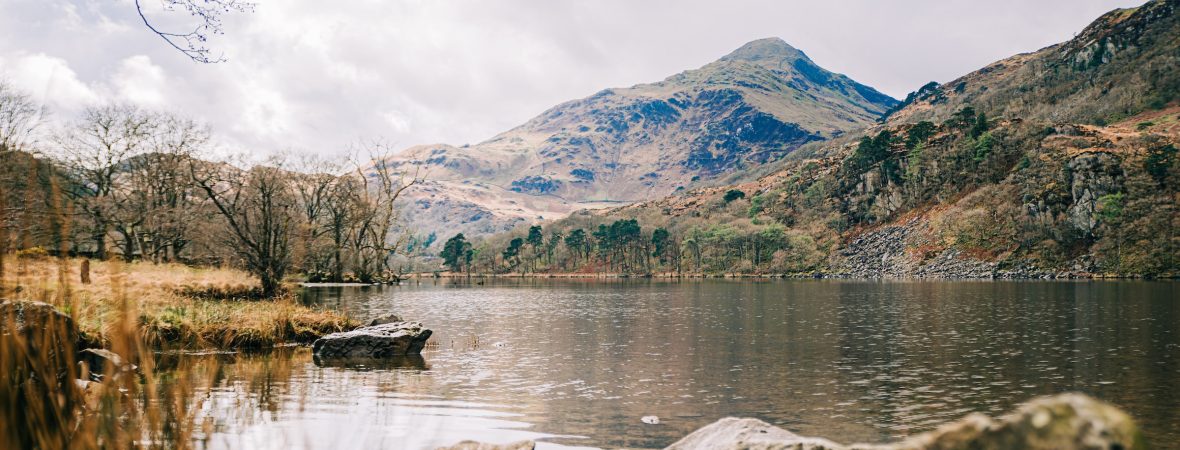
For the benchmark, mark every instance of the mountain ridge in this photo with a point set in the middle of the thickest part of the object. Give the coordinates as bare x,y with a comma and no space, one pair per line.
620,145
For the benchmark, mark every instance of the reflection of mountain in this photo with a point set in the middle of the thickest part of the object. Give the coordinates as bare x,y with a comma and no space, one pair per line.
754,105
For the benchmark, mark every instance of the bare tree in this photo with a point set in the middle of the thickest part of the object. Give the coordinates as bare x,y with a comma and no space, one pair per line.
381,185
161,191
95,150
19,118
314,184
340,211
207,13
259,209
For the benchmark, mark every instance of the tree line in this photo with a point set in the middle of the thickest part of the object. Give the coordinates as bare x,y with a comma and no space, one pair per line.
626,246
120,181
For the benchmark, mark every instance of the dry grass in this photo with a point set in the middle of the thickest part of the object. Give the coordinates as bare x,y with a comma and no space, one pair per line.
175,305
134,309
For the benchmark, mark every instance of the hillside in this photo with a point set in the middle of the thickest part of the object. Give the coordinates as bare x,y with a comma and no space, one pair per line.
619,146
1061,162
1125,61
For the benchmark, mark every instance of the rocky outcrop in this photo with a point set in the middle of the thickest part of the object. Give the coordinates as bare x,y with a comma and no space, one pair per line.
381,341
1063,422
1092,176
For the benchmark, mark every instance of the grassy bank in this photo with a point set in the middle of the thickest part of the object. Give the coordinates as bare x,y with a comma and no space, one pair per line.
176,306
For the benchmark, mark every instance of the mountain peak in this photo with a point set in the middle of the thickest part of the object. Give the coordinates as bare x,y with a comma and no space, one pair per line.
767,50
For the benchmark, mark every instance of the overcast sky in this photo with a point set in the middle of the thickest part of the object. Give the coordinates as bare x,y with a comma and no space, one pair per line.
316,75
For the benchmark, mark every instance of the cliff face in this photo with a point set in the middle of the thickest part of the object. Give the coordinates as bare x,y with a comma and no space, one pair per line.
757,104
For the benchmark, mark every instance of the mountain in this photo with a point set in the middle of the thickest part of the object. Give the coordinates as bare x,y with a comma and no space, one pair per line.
757,104
1060,162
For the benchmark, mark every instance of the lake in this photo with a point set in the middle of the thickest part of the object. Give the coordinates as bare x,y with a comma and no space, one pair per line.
579,363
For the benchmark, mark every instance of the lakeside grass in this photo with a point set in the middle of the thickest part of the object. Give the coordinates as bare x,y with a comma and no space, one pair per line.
175,306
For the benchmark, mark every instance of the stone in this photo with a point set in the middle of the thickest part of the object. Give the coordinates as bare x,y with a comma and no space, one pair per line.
1092,175
1062,422
472,445
98,363
91,393
382,320
42,331
381,341
1066,421
732,433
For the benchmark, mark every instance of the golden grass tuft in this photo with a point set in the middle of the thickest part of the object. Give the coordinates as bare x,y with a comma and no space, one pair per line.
177,306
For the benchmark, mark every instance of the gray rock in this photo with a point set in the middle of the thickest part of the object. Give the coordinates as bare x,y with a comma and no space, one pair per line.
99,363
382,320
1062,422
472,445
1092,175
740,434
381,341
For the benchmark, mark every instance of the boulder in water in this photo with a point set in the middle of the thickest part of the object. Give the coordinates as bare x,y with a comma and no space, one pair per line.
1062,422
99,363
381,341
382,320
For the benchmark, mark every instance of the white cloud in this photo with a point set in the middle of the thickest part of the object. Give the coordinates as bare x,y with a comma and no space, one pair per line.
139,81
398,121
51,80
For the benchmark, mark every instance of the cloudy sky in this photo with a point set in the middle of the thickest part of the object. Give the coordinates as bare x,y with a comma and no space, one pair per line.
315,75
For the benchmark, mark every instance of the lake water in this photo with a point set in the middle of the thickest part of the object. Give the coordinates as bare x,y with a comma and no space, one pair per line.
579,363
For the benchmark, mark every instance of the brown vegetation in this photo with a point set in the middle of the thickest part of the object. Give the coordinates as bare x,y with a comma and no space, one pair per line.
174,305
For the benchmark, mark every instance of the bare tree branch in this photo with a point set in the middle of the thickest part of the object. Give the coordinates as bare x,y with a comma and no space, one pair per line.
193,44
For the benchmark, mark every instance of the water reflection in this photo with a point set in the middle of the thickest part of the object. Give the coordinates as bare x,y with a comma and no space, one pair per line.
580,362
414,362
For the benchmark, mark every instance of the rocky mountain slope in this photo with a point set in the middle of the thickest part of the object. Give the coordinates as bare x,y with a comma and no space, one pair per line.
1060,162
1125,61
754,105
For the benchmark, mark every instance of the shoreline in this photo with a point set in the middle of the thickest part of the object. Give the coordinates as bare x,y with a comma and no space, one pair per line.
767,276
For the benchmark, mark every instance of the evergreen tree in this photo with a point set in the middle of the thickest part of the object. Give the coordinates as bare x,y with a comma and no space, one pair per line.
457,253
